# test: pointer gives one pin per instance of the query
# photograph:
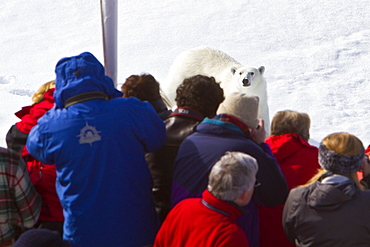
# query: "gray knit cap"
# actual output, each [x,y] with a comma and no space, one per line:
[242,106]
[339,163]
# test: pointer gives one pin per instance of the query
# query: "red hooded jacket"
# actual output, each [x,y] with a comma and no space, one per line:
[299,163]
[30,114]
[42,176]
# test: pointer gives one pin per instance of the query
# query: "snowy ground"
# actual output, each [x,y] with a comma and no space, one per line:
[316,53]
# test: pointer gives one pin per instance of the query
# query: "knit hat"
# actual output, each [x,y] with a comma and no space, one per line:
[242,106]
[339,163]
[41,238]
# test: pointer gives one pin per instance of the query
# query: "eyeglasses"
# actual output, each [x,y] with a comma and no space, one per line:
[258,184]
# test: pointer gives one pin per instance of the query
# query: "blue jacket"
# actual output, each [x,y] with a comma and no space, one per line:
[201,150]
[97,142]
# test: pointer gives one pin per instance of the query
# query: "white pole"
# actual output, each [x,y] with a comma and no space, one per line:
[109,26]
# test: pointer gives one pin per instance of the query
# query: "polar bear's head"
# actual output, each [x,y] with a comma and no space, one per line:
[247,76]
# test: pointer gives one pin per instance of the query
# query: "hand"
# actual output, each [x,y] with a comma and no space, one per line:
[259,135]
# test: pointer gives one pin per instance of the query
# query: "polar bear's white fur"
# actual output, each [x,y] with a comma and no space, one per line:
[233,76]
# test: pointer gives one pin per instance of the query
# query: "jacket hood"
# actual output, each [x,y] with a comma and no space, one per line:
[49,95]
[331,196]
[81,74]
[284,146]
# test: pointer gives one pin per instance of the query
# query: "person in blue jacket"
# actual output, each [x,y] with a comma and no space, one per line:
[98,141]
[235,128]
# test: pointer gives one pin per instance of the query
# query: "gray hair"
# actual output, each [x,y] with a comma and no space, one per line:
[232,175]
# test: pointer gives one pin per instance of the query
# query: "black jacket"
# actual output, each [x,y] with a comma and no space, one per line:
[326,215]
[179,125]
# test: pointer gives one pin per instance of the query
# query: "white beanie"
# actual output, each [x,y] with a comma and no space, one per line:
[242,106]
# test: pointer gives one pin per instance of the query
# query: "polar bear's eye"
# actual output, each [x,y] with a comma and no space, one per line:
[240,73]
[252,73]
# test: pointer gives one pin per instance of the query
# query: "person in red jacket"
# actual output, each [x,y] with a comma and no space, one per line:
[42,176]
[42,101]
[211,220]
[298,161]
[364,175]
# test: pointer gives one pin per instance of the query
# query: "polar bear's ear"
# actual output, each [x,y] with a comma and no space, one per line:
[233,69]
[261,70]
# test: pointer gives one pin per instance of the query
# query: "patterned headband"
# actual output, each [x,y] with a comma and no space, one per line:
[338,163]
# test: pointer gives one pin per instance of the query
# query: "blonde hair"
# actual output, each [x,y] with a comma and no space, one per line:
[345,144]
[37,97]
[288,121]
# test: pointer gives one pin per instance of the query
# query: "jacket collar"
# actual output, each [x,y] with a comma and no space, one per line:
[227,125]
[158,105]
[188,112]
[85,97]
[223,207]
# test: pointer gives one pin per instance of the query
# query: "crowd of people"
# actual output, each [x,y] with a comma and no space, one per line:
[89,165]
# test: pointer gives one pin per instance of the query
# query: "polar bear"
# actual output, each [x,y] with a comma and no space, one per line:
[233,76]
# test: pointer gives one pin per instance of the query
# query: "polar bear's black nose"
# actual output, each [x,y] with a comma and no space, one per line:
[246,82]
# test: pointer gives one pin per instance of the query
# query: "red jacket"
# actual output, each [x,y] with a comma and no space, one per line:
[30,114]
[360,174]
[205,222]
[299,162]
[42,176]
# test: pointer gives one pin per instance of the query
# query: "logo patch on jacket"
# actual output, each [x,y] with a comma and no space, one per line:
[89,134]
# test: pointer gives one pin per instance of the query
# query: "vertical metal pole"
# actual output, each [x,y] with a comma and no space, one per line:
[109,27]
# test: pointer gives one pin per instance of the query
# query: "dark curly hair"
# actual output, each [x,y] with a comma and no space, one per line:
[143,87]
[201,93]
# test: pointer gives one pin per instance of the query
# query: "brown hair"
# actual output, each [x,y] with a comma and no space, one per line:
[288,121]
[201,93]
[37,97]
[343,143]
[143,87]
